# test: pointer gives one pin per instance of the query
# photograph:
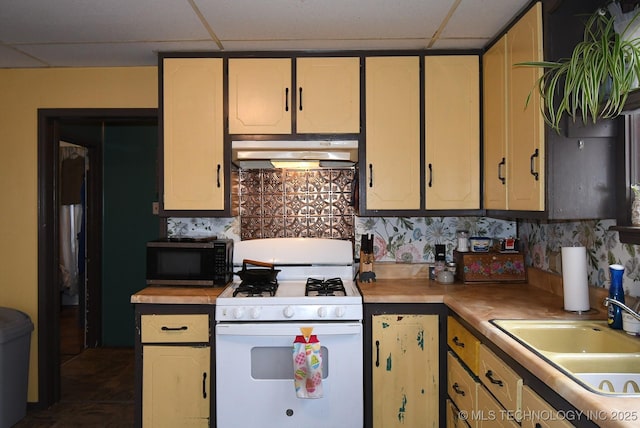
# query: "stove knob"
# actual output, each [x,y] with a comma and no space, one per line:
[322,312]
[238,313]
[288,312]
[340,311]
[254,313]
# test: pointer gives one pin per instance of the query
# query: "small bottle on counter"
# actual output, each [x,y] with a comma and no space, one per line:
[616,292]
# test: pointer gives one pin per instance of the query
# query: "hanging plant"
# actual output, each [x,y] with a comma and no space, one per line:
[596,80]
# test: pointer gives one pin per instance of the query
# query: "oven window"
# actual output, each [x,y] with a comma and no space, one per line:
[276,362]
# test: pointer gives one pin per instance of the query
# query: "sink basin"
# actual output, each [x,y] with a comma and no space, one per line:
[598,358]
[570,336]
[606,373]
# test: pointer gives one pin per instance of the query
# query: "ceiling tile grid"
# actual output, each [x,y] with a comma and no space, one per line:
[88,33]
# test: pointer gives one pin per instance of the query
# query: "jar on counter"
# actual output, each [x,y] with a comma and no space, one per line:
[463,241]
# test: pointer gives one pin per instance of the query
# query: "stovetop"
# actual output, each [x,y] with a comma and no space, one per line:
[315,282]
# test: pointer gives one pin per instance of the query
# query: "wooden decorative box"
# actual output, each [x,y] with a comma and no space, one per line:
[490,267]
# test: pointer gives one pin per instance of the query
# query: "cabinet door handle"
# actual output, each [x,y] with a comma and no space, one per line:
[489,375]
[218,175]
[183,328]
[457,389]
[532,167]
[538,425]
[370,175]
[430,175]
[457,342]
[204,385]
[377,353]
[500,165]
[286,99]
[300,99]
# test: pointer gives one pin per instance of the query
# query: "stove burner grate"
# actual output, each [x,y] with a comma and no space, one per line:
[328,287]
[256,289]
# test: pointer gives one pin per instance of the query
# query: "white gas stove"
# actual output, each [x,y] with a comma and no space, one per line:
[256,330]
[314,282]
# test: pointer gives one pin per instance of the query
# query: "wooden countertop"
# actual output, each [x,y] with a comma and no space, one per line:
[178,295]
[476,304]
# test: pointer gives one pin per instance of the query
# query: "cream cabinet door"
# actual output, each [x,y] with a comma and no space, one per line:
[392,167]
[494,67]
[537,413]
[176,386]
[328,97]
[452,132]
[193,134]
[405,371]
[259,96]
[525,142]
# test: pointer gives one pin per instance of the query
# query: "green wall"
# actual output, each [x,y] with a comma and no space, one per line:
[129,188]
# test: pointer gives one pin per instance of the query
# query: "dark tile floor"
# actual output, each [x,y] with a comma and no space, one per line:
[97,390]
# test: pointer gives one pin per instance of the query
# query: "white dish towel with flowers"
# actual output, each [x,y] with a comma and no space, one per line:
[307,366]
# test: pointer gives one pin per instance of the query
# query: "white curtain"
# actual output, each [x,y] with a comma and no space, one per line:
[70,226]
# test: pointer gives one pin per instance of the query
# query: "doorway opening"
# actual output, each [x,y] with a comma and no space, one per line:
[107,140]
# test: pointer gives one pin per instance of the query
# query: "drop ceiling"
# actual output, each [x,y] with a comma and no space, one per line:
[98,33]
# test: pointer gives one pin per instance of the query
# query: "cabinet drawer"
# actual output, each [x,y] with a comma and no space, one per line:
[463,343]
[534,408]
[461,387]
[490,414]
[501,380]
[174,328]
[453,416]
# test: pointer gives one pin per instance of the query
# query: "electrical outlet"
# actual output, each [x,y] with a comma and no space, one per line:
[155,208]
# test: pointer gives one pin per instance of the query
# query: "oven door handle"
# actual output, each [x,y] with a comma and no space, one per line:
[287,329]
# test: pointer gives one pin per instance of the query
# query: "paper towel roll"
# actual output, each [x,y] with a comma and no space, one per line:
[574,279]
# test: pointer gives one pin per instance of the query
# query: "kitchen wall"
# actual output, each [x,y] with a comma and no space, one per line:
[24,91]
[411,240]
[542,243]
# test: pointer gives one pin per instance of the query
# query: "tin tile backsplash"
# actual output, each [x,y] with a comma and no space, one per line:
[296,203]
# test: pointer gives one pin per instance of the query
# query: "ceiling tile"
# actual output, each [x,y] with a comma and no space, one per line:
[326,19]
[110,54]
[29,21]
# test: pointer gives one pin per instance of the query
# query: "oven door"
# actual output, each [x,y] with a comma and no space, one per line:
[254,376]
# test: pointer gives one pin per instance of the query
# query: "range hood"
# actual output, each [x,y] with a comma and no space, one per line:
[252,154]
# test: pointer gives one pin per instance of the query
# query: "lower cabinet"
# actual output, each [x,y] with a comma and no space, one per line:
[484,391]
[174,368]
[404,388]
[175,389]
[537,413]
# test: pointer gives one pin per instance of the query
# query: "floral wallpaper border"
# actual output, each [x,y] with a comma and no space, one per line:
[542,243]
[412,240]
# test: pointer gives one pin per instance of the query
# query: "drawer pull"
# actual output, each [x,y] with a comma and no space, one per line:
[183,328]
[489,375]
[204,385]
[457,342]
[457,389]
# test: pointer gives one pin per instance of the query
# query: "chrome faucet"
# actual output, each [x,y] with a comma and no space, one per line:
[622,306]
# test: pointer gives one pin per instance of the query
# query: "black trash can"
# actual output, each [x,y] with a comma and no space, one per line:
[15,341]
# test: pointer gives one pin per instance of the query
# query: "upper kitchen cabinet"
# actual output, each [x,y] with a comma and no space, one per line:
[193,167]
[326,98]
[260,96]
[530,170]
[452,132]
[513,132]
[328,95]
[391,172]
[525,141]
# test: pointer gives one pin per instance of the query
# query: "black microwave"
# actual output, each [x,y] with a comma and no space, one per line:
[190,262]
